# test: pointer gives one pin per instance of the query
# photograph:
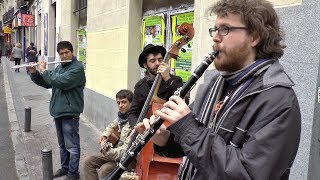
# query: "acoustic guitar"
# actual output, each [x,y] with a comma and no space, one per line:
[112,139]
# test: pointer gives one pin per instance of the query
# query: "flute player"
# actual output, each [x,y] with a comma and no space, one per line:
[67,81]
[253,123]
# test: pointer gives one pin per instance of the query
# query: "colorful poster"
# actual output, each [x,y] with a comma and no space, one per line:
[153,31]
[182,66]
[27,19]
[82,45]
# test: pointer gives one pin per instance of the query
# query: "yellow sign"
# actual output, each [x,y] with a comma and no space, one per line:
[7,30]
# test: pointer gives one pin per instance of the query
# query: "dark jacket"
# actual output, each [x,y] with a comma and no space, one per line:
[269,116]
[31,55]
[67,83]
[141,92]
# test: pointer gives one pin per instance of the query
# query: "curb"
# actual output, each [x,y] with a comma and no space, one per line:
[16,136]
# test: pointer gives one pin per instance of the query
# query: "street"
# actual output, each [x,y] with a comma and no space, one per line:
[7,166]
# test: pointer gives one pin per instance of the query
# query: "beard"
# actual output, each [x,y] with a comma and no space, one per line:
[152,71]
[231,60]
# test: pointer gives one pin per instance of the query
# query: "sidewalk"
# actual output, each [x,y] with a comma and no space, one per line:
[21,92]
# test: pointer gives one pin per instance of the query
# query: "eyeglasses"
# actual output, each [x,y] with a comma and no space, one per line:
[223,30]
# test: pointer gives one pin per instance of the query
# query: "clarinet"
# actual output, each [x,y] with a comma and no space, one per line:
[143,138]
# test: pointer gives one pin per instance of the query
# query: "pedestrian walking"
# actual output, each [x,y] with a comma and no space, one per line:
[31,56]
[17,55]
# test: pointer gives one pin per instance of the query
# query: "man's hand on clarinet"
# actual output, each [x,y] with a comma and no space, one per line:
[145,125]
[160,137]
[175,109]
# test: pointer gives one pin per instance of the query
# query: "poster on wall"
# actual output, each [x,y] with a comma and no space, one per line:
[27,20]
[82,45]
[153,31]
[182,66]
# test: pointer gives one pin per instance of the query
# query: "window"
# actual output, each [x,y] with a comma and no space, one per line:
[81,9]
[81,5]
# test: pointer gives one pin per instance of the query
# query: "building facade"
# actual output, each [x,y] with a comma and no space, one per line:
[108,37]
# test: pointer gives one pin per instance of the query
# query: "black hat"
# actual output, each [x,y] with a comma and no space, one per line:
[150,48]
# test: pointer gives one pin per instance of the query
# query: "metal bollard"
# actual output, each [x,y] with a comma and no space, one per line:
[27,120]
[47,171]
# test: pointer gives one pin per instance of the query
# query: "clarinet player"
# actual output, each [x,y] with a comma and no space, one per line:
[245,122]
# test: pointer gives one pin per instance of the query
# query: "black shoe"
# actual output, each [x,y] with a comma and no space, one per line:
[59,173]
[72,177]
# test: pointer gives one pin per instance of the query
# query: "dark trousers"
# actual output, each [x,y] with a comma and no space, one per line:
[69,143]
[17,61]
[8,53]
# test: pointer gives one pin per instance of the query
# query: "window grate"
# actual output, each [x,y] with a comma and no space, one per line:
[81,5]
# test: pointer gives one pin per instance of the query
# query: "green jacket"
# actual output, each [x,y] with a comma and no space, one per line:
[67,83]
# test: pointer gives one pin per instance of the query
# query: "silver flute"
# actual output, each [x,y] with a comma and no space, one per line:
[35,64]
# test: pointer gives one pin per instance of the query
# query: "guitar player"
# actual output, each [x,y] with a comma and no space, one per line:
[113,141]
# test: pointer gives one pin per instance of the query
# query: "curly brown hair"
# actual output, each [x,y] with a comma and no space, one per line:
[259,17]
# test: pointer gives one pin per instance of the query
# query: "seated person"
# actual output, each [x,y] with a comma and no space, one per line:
[111,154]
